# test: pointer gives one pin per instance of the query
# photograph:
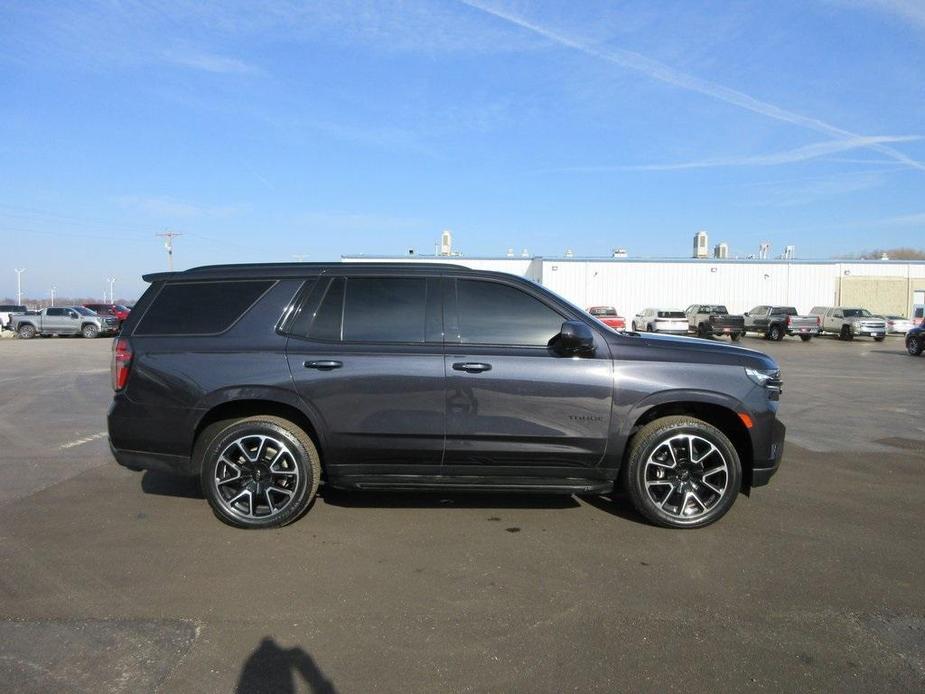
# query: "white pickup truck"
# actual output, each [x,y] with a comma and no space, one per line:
[64,320]
[7,311]
[850,322]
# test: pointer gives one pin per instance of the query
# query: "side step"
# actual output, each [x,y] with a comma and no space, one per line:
[474,484]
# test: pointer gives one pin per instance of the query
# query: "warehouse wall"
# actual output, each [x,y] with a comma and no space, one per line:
[631,284]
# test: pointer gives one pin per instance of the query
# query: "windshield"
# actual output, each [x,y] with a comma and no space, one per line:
[784,311]
[857,313]
[716,309]
[83,311]
[670,314]
[603,311]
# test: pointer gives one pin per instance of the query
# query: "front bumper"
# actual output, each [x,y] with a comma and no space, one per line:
[763,469]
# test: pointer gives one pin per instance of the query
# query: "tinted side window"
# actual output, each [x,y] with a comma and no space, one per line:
[330,314]
[55,312]
[497,314]
[199,308]
[385,309]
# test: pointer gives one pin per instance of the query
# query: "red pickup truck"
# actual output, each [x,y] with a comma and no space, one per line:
[608,316]
[118,310]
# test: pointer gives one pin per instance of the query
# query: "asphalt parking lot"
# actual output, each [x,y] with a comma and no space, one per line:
[112,580]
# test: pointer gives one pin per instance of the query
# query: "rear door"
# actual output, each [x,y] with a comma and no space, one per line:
[515,406]
[56,320]
[366,356]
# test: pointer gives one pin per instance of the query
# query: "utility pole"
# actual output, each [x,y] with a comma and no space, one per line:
[52,296]
[19,271]
[112,295]
[168,244]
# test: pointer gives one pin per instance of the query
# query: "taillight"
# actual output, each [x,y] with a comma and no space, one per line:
[788,321]
[121,362]
[818,321]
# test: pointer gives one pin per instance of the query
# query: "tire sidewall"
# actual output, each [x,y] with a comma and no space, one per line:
[26,332]
[914,347]
[89,331]
[635,474]
[221,439]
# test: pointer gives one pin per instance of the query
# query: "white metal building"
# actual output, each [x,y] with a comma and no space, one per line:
[632,284]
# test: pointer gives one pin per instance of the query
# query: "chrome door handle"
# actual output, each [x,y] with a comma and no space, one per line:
[323,365]
[471,367]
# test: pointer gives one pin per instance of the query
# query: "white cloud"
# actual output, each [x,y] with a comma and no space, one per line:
[210,62]
[665,73]
[790,156]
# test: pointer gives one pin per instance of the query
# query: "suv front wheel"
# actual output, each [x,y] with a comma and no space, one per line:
[258,472]
[682,472]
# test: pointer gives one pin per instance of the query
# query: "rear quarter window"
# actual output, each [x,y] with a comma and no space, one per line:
[200,308]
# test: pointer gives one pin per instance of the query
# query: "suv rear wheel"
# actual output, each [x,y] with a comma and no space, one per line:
[915,345]
[682,472]
[258,472]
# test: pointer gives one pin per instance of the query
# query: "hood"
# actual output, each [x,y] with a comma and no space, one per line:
[691,350]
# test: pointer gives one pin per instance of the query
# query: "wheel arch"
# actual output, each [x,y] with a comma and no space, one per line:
[255,404]
[717,411]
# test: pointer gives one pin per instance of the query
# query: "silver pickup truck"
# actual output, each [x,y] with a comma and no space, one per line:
[64,320]
[850,322]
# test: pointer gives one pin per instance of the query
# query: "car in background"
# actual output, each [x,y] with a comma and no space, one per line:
[608,316]
[7,311]
[849,322]
[773,322]
[915,340]
[64,320]
[897,325]
[660,320]
[708,320]
[119,311]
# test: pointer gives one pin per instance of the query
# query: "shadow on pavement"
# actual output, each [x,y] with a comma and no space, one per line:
[617,504]
[165,484]
[271,668]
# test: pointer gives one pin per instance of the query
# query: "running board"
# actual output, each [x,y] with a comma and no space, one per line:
[476,484]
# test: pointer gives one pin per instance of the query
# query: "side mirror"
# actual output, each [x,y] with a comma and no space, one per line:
[575,337]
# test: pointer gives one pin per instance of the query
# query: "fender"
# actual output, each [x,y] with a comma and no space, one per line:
[273,394]
[664,397]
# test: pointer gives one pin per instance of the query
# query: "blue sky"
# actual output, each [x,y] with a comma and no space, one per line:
[265,130]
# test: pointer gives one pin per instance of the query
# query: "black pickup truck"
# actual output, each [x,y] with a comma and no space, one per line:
[708,320]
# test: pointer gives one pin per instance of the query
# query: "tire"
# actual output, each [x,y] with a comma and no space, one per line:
[776,333]
[277,460]
[880,339]
[650,329]
[735,337]
[663,446]
[806,338]
[914,346]
[634,327]
[26,332]
[702,331]
[90,331]
[845,333]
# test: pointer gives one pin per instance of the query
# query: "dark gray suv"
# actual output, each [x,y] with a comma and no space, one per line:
[266,380]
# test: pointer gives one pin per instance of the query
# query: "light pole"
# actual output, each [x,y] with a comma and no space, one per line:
[52,296]
[168,237]
[19,271]
[112,296]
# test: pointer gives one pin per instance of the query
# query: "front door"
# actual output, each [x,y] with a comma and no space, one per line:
[515,406]
[366,356]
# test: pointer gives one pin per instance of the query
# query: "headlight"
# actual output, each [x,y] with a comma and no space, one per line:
[769,379]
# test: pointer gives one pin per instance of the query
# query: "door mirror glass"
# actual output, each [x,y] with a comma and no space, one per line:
[575,338]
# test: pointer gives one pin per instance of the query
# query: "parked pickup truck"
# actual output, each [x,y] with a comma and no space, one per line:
[7,311]
[776,321]
[64,320]
[848,322]
[608,316]
[713,319]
